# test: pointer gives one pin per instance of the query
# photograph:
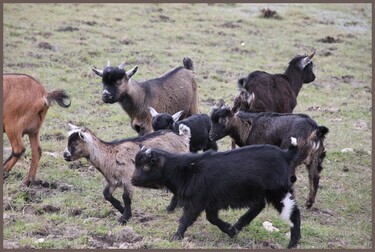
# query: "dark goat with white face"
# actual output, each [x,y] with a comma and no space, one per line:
[174,91]
[199,124]
[248,177]
[274,128]
[277,92]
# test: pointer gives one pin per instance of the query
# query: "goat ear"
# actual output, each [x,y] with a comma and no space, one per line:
[131,72]
[72,127]
[177,115]
[82,136]
[98,72]
[153,112]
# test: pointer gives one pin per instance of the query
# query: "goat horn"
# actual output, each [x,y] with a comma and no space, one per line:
[312,55]
[122,65]
[304,62]
[153,112]
[108,63]
[177,115]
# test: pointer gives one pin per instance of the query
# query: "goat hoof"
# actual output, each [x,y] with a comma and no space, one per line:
[170,209]
[232,231]
[309,204]
[122,220]
[5,175]
[293,179]
[26,183]
[177,236]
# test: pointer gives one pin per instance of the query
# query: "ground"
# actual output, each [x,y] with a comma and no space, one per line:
[60,44]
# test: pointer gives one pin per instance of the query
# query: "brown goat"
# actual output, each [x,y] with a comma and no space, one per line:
[173,91]
[25,105]
[115,160]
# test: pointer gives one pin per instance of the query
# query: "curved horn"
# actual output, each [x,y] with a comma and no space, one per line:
[108,63]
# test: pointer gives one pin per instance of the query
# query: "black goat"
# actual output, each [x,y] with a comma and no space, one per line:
[248,177]
[199,124]
[278,92]
[276,129]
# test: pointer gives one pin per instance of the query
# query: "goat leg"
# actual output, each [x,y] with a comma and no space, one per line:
[188,217]
[213,218]
[253,212]
[36,153]
[314,178]
[127,209]
[295,231]
[17,151]
[107,192]
[172,204]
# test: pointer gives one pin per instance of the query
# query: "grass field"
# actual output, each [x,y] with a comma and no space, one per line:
[60,43]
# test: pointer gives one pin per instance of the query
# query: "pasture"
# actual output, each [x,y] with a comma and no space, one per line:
[60,43]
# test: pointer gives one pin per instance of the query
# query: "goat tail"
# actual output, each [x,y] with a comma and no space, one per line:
[293,152]
[188,63]
[60,97]
[321,132]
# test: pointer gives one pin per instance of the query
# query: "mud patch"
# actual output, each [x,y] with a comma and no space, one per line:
[125,238]
[329,40]
[270,14]
[231,25]
[46,46]
[67,29]
[90,23]
[56,136]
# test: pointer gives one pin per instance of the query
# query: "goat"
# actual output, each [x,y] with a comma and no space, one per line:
[115,160]
[278,92]
[250,177]
[275,128]
[199,124]
[174,91]
[25,104]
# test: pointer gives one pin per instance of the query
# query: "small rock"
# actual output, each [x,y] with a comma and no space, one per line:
[91,219]
[40,240]
[269,227]
[53,154]
[347,150]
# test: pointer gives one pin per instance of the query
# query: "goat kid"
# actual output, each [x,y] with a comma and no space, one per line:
[278,92]
[273,128]
[115,160]
[174,91]
[199,124]
[248,177]
[25,105]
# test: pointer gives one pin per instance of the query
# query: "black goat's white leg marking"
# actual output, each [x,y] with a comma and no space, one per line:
[287,209]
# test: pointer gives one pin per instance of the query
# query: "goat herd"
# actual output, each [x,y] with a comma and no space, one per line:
[164,112]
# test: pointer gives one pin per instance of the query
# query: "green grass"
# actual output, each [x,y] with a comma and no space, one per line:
[225,42]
